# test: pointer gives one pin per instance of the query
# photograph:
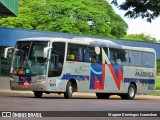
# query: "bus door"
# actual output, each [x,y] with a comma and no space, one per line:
[56,62]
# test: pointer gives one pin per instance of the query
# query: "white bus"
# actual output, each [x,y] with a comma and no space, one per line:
[60,65]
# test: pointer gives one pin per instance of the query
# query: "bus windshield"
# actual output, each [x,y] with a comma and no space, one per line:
[29,54]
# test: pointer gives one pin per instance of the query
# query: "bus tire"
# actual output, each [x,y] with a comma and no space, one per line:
[131,93]
[69,90]
[102,95]
[38,94]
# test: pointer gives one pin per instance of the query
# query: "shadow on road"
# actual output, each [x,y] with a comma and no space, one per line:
[51,97]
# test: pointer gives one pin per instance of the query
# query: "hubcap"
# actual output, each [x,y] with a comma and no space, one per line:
[70,89]
[131,92]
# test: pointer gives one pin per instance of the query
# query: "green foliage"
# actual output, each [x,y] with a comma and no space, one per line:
[158,67]
[148,9]
[158,84]
[140,37]
[87,17]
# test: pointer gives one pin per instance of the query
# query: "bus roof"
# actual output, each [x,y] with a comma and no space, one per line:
[110,44]
[89,41]
[44,39]
[84,40]
[139,49]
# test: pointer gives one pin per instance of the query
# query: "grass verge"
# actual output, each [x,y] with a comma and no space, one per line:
[158,84]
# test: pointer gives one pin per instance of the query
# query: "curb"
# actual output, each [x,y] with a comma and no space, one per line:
[157,92]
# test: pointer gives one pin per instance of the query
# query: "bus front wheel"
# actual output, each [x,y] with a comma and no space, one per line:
[69,90]
[131,92]
[38,94]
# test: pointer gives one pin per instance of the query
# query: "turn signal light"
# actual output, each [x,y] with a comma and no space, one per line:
[18,72]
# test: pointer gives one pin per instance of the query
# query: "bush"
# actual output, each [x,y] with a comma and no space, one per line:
[158,67]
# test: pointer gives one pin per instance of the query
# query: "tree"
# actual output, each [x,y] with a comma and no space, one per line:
[87,17]
[140,37]
[149,9]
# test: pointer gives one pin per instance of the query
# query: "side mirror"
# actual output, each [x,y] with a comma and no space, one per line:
[46,51]
[7,50]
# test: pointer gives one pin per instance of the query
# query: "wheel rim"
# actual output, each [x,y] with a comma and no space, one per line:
[70,90]
[131,92]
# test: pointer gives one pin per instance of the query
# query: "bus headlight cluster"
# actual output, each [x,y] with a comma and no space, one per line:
[41,77]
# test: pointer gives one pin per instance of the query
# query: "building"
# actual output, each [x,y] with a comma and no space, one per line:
[9,36]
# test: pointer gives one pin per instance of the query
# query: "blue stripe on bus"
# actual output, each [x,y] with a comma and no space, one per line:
[144,81]
[76,77]
[126,80]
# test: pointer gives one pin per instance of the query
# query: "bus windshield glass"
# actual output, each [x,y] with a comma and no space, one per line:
[29,54]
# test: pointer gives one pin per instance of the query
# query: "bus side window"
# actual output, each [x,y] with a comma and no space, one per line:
[70,56]
[80,54]
[75,53]
[71,52]
[86,55]
[136,58]
[106,51]
[119,57]
[112,57]
[148,59]
[95,58]
[123,57]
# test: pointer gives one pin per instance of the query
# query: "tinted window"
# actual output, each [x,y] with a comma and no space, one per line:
[148,59]
[135,58]
[93,56]
[131,57]
[83,53]
[106,51]
[119,57]
[76,52]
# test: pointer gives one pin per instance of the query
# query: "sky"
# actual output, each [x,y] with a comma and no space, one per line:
[138,25]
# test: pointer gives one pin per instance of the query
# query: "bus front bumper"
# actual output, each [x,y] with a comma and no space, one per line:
[38,86]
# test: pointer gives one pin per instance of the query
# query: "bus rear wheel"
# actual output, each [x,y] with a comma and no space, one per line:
[69,90]
[131,93]
[38,94]
[102,95]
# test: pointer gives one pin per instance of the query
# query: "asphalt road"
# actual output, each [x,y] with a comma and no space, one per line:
[25,101]
[4,83]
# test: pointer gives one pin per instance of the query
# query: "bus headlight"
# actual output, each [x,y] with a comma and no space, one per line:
[41,77]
